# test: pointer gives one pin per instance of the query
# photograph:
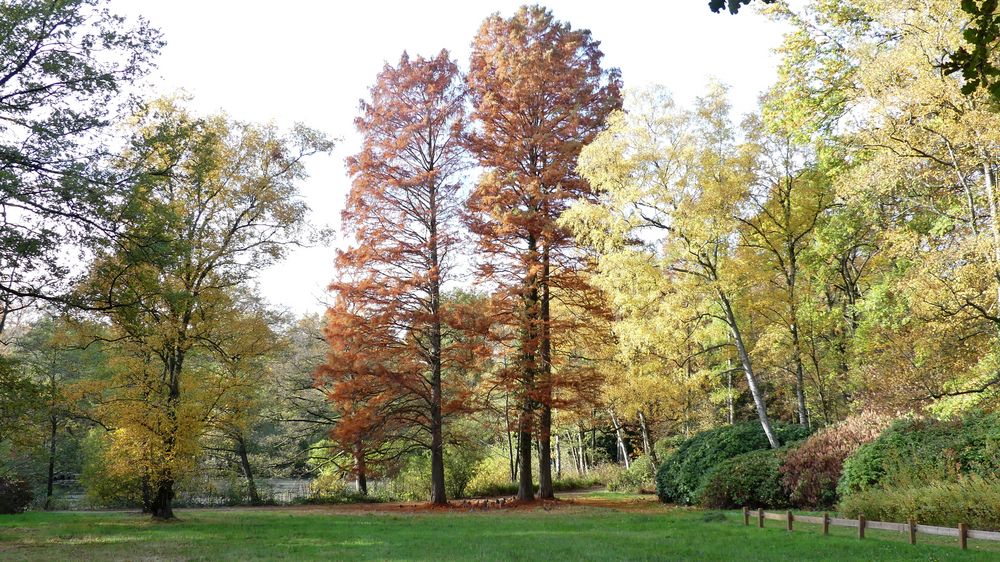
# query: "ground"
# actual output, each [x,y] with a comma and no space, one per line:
[591,526]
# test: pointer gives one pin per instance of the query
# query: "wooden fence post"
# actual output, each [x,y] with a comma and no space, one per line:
[963,535]
[746,516]
[760,518]
[861,526]
[790,519]
[913,531]
[826,524]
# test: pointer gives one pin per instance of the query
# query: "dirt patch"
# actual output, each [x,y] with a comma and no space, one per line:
[491,505]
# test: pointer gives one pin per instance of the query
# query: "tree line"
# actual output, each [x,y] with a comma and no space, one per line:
[532,256]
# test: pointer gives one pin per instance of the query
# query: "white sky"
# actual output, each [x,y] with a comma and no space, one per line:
[311,61]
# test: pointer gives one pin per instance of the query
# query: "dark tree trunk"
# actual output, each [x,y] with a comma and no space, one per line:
[161,506]
[360,469]
[241,449]
[525,487]
[545,489]
[50,481]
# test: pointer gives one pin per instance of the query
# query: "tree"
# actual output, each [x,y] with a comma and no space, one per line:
[391,332]
[65,69]
[213,202]
[672,184]
[539,94]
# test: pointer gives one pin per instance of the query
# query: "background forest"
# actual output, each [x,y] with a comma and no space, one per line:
[545,281]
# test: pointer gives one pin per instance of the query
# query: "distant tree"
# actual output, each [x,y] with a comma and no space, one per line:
[539,95]
[65,67]
[389,331]
[213,202]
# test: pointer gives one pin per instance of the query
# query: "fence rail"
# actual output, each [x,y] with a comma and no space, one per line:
[963,533]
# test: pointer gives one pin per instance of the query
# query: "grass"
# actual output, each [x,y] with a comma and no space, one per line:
[596,527]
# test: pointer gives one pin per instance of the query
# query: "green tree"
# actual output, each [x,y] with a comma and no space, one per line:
[65,71]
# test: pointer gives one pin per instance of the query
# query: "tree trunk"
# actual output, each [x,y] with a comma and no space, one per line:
[800,393]
[161,507]
[647,443]
[545,489]
[50,481]
[241,449]
[619,436]
[558,459]
[755,390]
[360,469]
[525,486]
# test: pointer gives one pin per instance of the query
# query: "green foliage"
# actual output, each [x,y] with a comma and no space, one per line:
[811,471]
[752,479]
[682,475]
[972,500]
[413,483]
[638,477]
[104,487]
[15,494]
[916,452]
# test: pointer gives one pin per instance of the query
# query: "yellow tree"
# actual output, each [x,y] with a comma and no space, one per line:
[671,183]
[213,201]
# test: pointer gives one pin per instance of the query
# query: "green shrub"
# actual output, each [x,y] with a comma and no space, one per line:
[15,494]
[971,499]
[752,479]
[680,478]
[638,477]
[916,452]
[811,471]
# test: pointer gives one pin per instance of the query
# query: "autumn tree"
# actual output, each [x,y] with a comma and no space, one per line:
[391,334]
[672,184]
[213,202]
[539,94]
[65,72]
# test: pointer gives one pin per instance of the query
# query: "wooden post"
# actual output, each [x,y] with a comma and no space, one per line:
[746,516]
[913,531]
[963,535]
[861,526]
[760,518]
[826,524]
[790,518]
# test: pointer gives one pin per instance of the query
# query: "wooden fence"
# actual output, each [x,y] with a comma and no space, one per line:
[963,532]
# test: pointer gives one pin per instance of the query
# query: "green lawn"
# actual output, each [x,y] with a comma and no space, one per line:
[601,531]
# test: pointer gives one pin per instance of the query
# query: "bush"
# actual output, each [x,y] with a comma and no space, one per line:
[811,471]
[15,494]
[752,479]
[972,500]
[638,477]
[681,476]
[916,452]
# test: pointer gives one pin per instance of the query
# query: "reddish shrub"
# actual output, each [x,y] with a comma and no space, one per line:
[811,471]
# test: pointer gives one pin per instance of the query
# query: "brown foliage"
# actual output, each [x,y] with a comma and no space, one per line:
[539,95]
[810,472]
[391,336]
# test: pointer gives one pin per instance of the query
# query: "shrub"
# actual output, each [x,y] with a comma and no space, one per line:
[15,494]
[682,474]
[752,479]
[971,499]
[916,452]
[811,471]
[638,477]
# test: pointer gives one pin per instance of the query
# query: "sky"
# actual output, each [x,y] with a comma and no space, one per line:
[312,61]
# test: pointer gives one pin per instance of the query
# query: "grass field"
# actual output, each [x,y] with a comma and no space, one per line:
[591,527]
